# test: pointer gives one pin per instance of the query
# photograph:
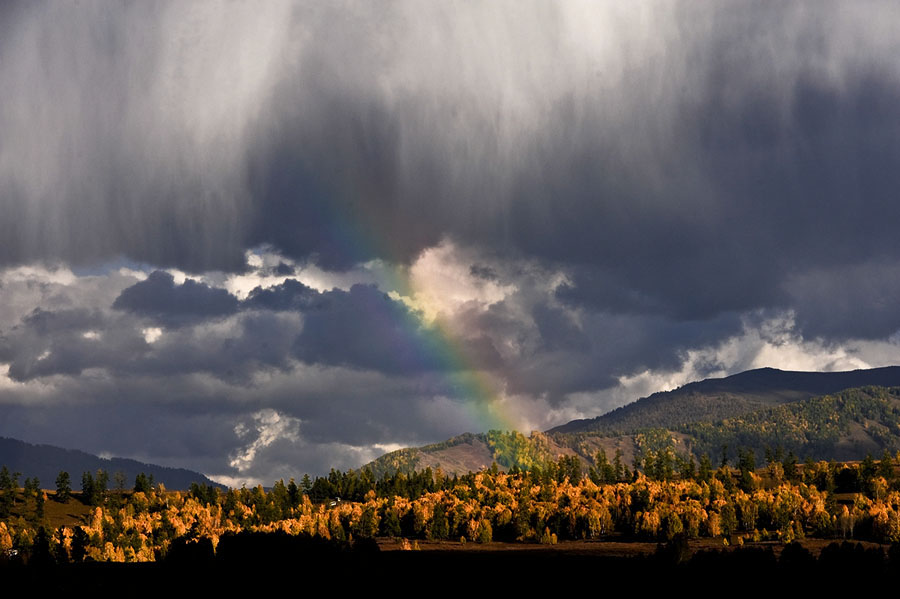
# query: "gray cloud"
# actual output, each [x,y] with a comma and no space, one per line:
[159,298]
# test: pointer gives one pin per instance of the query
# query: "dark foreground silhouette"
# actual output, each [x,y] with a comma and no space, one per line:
[277,561]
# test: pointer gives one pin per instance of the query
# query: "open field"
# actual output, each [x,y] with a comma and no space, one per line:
[603,548]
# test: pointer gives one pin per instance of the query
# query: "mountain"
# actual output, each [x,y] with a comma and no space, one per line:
[729,397]
[809,413]
[45,462]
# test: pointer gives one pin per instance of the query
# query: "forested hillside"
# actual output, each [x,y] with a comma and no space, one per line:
[561,501]
[846,425]
[44,463]
[712,400]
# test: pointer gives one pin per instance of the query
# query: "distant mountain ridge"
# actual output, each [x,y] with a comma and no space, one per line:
[728,397]
[755,409]
[46,461]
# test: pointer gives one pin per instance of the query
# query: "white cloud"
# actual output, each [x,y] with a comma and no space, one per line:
[441,282]
[269,426]
[151,334]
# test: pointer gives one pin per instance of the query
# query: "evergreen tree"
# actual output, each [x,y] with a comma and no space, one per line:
[886,466]
[705,472]
[747,466]
[87,487]
[101,484]
[143,483]
[39,505]
[440,528]
[30,488]
[619,469]
[390,523]
[63,486]
[789,464]
[8,486]
[80,544]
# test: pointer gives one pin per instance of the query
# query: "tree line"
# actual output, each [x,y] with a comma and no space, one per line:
[784,500]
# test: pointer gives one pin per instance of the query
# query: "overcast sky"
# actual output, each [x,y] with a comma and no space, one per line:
[263,239]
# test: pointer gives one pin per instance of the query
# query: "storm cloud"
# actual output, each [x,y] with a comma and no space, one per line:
[305,219]
[160,299]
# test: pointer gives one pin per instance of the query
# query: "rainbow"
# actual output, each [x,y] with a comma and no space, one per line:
[435,346]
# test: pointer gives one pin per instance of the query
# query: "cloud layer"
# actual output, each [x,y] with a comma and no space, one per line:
[307,221]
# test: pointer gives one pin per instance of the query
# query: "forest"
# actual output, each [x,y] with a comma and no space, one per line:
[662,499]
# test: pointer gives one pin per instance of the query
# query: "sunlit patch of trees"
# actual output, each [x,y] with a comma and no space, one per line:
[663,497]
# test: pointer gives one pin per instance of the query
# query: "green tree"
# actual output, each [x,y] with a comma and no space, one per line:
[440,528]
[729,519]
[390,523]
[87,487]
[93,488]
[886,466]
[101,484]
[143,483]
[619,469]
[39,505]
[63,486]
[293,494]
[9,485]
[485,532]
[30,488]
[747,466]
[791,472]
[80,544]
[705,472]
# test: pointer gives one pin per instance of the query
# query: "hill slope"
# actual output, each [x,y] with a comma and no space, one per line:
[729,397]
[45,462]
[757,409]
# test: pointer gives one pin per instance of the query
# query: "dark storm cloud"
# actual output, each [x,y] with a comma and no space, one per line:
[365,328]
[483,271]
[360,328]
[63,341]
[289,295]
[676,168]
[160,299]
[685,165]
[843,302]
[558,356]
[558,331]
[189,420]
